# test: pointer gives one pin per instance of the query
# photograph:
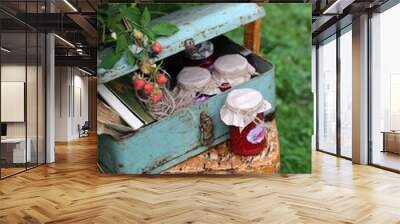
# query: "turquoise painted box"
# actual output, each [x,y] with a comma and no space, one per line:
[176,138]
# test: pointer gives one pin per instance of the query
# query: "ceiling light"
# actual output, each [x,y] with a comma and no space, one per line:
[70,5]
[84,71]
[65,41]
[5,49]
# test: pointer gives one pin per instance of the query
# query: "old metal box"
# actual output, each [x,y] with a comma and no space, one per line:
[173,139]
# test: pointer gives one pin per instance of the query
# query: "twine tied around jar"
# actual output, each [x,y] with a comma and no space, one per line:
[191,82]
[179,99]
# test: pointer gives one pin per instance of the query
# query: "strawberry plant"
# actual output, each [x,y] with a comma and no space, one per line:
[125,27]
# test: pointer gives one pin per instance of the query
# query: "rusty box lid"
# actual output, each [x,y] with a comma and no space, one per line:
[200,23]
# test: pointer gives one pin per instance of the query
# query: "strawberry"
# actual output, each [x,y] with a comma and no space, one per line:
[138,83]
[162,79]
[156,98]
[156,47]
[148,88]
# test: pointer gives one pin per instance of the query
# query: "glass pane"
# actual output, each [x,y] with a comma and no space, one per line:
[13,87]
[346,94]
[32,88]
[386,89]
[32,96]
[327,97]
[41,99]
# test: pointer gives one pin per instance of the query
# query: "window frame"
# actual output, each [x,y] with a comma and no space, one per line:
[334,37]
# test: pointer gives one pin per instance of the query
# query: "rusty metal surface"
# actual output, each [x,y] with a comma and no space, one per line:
[220,160]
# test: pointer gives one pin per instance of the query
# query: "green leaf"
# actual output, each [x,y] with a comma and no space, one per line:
[122,43]
[109,60]
[112,9]
[164,29]
[117,27]
[145,17]
[130,58]
[132,14]
[148,33]
[112,21]
[109,40]
[100,19]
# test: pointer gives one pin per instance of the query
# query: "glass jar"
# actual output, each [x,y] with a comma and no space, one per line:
[201,55]
[243,112]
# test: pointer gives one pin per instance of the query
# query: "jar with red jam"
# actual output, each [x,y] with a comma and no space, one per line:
[201,55]
[243,112]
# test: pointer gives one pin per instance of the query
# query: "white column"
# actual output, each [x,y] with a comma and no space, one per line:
[314,90]
[50,93]
[360,90]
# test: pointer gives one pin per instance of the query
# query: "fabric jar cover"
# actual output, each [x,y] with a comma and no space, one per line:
[242,106]
[233,68]
[197,79]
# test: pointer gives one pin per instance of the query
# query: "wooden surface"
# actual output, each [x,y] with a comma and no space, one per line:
[92,105]
[221,160]
[252,36]
[7,171]
[72,191]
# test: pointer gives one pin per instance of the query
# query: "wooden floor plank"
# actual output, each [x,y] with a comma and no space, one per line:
[72,191]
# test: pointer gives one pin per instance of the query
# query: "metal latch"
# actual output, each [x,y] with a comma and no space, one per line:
[206,129]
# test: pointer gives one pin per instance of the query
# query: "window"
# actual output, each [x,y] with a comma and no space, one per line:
[327,96]
[346,93]
[385,89]
[22,101]
[329,112]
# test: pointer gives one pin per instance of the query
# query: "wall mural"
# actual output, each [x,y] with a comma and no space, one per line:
[178,95]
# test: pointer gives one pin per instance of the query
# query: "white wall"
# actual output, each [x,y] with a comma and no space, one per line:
[71,94]
[33,126]
[61,104]
[16,73]
[80,111]
[12,73]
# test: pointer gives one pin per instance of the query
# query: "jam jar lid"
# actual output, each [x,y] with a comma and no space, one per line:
[200,51]
[242,106]
[194,78]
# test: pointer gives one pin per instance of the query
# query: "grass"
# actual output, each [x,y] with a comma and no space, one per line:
[286,42]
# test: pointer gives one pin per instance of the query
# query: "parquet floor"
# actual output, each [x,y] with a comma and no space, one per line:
[72,191]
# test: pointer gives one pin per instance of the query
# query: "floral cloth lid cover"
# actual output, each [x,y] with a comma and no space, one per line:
[233,68]
[242,106]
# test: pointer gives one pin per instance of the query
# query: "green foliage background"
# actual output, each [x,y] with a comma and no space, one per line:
[286,42]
